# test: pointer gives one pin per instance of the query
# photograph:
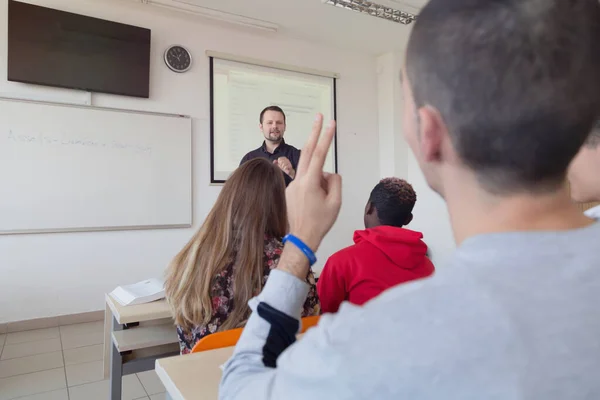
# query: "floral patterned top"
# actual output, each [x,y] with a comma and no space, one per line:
[223,298]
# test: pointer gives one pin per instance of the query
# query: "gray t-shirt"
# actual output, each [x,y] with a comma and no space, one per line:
[513,316]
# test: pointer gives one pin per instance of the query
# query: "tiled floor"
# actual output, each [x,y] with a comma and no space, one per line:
[64,363]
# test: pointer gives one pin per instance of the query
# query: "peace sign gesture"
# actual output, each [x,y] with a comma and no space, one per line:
[314,198]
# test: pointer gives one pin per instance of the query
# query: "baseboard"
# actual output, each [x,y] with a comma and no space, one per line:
[51,322]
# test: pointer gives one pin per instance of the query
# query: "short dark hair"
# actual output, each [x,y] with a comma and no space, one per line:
[394,200]
[271,108]
[594,138]
[516,82]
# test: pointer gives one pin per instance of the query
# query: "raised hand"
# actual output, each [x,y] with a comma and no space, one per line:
[314,198]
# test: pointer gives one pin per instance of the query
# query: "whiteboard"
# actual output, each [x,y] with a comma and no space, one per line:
[240,91]
[80,168]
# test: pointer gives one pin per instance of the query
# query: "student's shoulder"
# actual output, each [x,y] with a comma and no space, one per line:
[345,254]
[419,328]
[430,306]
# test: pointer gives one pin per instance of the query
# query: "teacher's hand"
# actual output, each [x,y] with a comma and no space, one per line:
[313,199]
[286,166]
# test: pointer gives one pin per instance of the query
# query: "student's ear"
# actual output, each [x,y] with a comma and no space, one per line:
[409,219]
[370,208]
[432,133]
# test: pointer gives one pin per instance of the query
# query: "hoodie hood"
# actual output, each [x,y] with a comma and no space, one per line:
[402,247]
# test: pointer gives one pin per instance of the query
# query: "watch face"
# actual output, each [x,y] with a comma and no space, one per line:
[178,59]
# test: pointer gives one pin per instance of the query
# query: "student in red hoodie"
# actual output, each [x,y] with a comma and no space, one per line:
[384,254]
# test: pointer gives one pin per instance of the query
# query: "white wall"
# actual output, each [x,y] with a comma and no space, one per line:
[396,159]
[393,150]
[55,274]
[430,217]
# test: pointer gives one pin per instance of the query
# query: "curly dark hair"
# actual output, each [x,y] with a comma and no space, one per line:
[394,199]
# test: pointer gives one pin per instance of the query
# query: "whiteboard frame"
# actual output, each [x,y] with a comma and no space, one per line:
[212,55]
[108,228]
[88,107]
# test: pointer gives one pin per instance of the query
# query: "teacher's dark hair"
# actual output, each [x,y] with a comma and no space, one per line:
[271,108]
[515,81]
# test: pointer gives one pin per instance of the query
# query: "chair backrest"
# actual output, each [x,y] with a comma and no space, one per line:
[230,337]
[218,340]
[309,322]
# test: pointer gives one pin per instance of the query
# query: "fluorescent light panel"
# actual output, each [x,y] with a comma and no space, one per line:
[375,10]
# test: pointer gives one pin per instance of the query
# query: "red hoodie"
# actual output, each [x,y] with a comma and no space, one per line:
[381,257]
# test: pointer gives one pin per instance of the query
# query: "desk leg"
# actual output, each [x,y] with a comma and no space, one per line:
[108,318]
[116,370]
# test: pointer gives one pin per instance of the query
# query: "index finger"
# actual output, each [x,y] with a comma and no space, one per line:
[309,147]
[320,152]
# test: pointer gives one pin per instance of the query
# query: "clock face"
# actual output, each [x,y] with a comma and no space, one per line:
[178,59]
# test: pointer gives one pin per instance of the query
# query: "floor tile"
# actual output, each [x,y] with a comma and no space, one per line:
[91,316]
[30,348]
[84,328]
[162,396]
[132,389]
[3,328]
[2,339]
[32,324]
[84,354]
[28,384]
[32,336]
[82,335]
[91,391]
[61,394]
[80,374]
[151,382]
[26,365]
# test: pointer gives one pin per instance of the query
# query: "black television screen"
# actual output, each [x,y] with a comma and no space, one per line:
[56,48]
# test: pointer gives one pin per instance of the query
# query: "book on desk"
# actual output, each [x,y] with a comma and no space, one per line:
[146,291]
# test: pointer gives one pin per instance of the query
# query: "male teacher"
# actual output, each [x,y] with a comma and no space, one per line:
[274,148]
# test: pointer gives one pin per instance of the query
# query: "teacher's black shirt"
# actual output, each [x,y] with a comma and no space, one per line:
[283,150]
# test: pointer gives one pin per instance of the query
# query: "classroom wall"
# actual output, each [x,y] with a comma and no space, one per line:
[431,216]
[55,274]
[393,149]
[396,159]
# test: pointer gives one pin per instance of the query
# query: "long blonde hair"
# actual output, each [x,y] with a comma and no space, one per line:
[250,205]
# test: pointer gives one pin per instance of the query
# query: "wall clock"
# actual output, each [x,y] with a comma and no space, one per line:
[178,59]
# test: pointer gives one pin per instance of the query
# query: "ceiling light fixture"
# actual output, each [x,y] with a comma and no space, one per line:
[374,9]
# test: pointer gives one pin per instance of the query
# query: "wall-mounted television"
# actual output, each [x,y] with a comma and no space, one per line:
[56,48]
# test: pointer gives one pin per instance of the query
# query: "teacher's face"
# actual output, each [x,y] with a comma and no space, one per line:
[273,126]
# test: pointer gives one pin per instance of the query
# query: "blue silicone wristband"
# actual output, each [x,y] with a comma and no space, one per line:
[312,259]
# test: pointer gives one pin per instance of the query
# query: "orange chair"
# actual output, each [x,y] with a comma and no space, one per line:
[218,340]
[309,322]
[230,337]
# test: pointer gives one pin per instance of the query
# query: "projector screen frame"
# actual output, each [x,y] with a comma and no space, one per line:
[227,57]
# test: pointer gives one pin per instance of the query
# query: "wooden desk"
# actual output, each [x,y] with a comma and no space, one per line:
[140,339]
[193,376]
[125,315]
